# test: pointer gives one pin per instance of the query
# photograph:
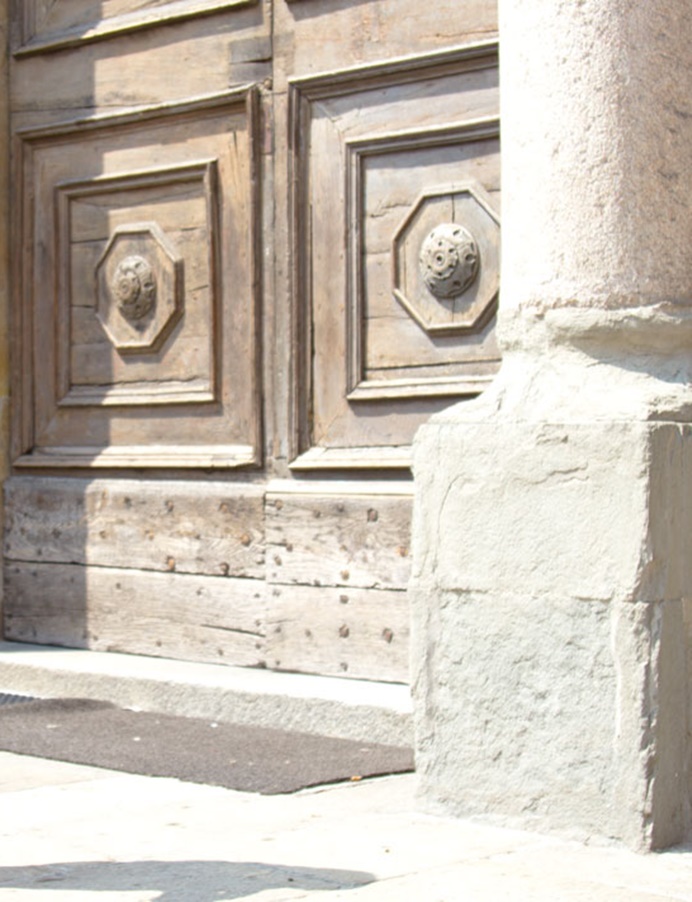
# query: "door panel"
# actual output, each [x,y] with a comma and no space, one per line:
[231,316]
[161,201]
[383,155]
[171,526]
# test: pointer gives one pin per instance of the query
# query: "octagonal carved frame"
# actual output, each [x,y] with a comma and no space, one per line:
[468,206]
[141,256]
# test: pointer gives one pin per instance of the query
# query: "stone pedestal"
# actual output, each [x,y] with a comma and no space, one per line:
[552,624]
[552,621]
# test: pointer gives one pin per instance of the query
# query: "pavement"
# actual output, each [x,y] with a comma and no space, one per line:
[69,832]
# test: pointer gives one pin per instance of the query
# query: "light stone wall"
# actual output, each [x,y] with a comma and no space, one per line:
[552,644]
[551,628]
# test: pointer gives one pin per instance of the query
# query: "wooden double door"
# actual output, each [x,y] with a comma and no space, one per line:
[256,246]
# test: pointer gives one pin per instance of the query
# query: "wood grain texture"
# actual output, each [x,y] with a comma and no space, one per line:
[355,32]
[340,540]
[389,132]
[196,618]
[357,633]
[186,527]
[48,27]
[199,381]
[184,59]
[278,145]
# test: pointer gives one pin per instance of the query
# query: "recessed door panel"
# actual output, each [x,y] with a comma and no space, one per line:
[386,155]
[140,294]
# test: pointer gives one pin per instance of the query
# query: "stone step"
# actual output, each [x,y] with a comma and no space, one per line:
[327,706]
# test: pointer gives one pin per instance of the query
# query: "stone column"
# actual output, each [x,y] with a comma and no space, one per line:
[552,621]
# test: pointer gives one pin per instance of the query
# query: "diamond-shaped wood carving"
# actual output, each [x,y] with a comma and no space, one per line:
[139,288]
[447,259]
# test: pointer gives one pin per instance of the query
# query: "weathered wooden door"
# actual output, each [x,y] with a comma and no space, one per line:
[256,246]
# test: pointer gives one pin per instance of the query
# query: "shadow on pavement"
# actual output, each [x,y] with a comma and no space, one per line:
[179,881]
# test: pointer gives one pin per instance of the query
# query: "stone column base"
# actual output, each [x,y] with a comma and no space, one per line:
[552,639]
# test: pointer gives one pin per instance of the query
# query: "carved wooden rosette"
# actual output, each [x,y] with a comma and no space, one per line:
[447,274]
[134,288]
[139,286]
[449,261]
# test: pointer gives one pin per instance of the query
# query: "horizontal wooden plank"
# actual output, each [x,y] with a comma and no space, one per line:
[339,540]
[187,527]
[361,633]
[140,394]
[397,457]
[351,32]
[94,77]
[100,364]
[95,24]
[331,488]
[419,348]
[157,457]
[193,618]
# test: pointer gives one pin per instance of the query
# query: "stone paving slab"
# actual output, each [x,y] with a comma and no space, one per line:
[69,833]
[324,706]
